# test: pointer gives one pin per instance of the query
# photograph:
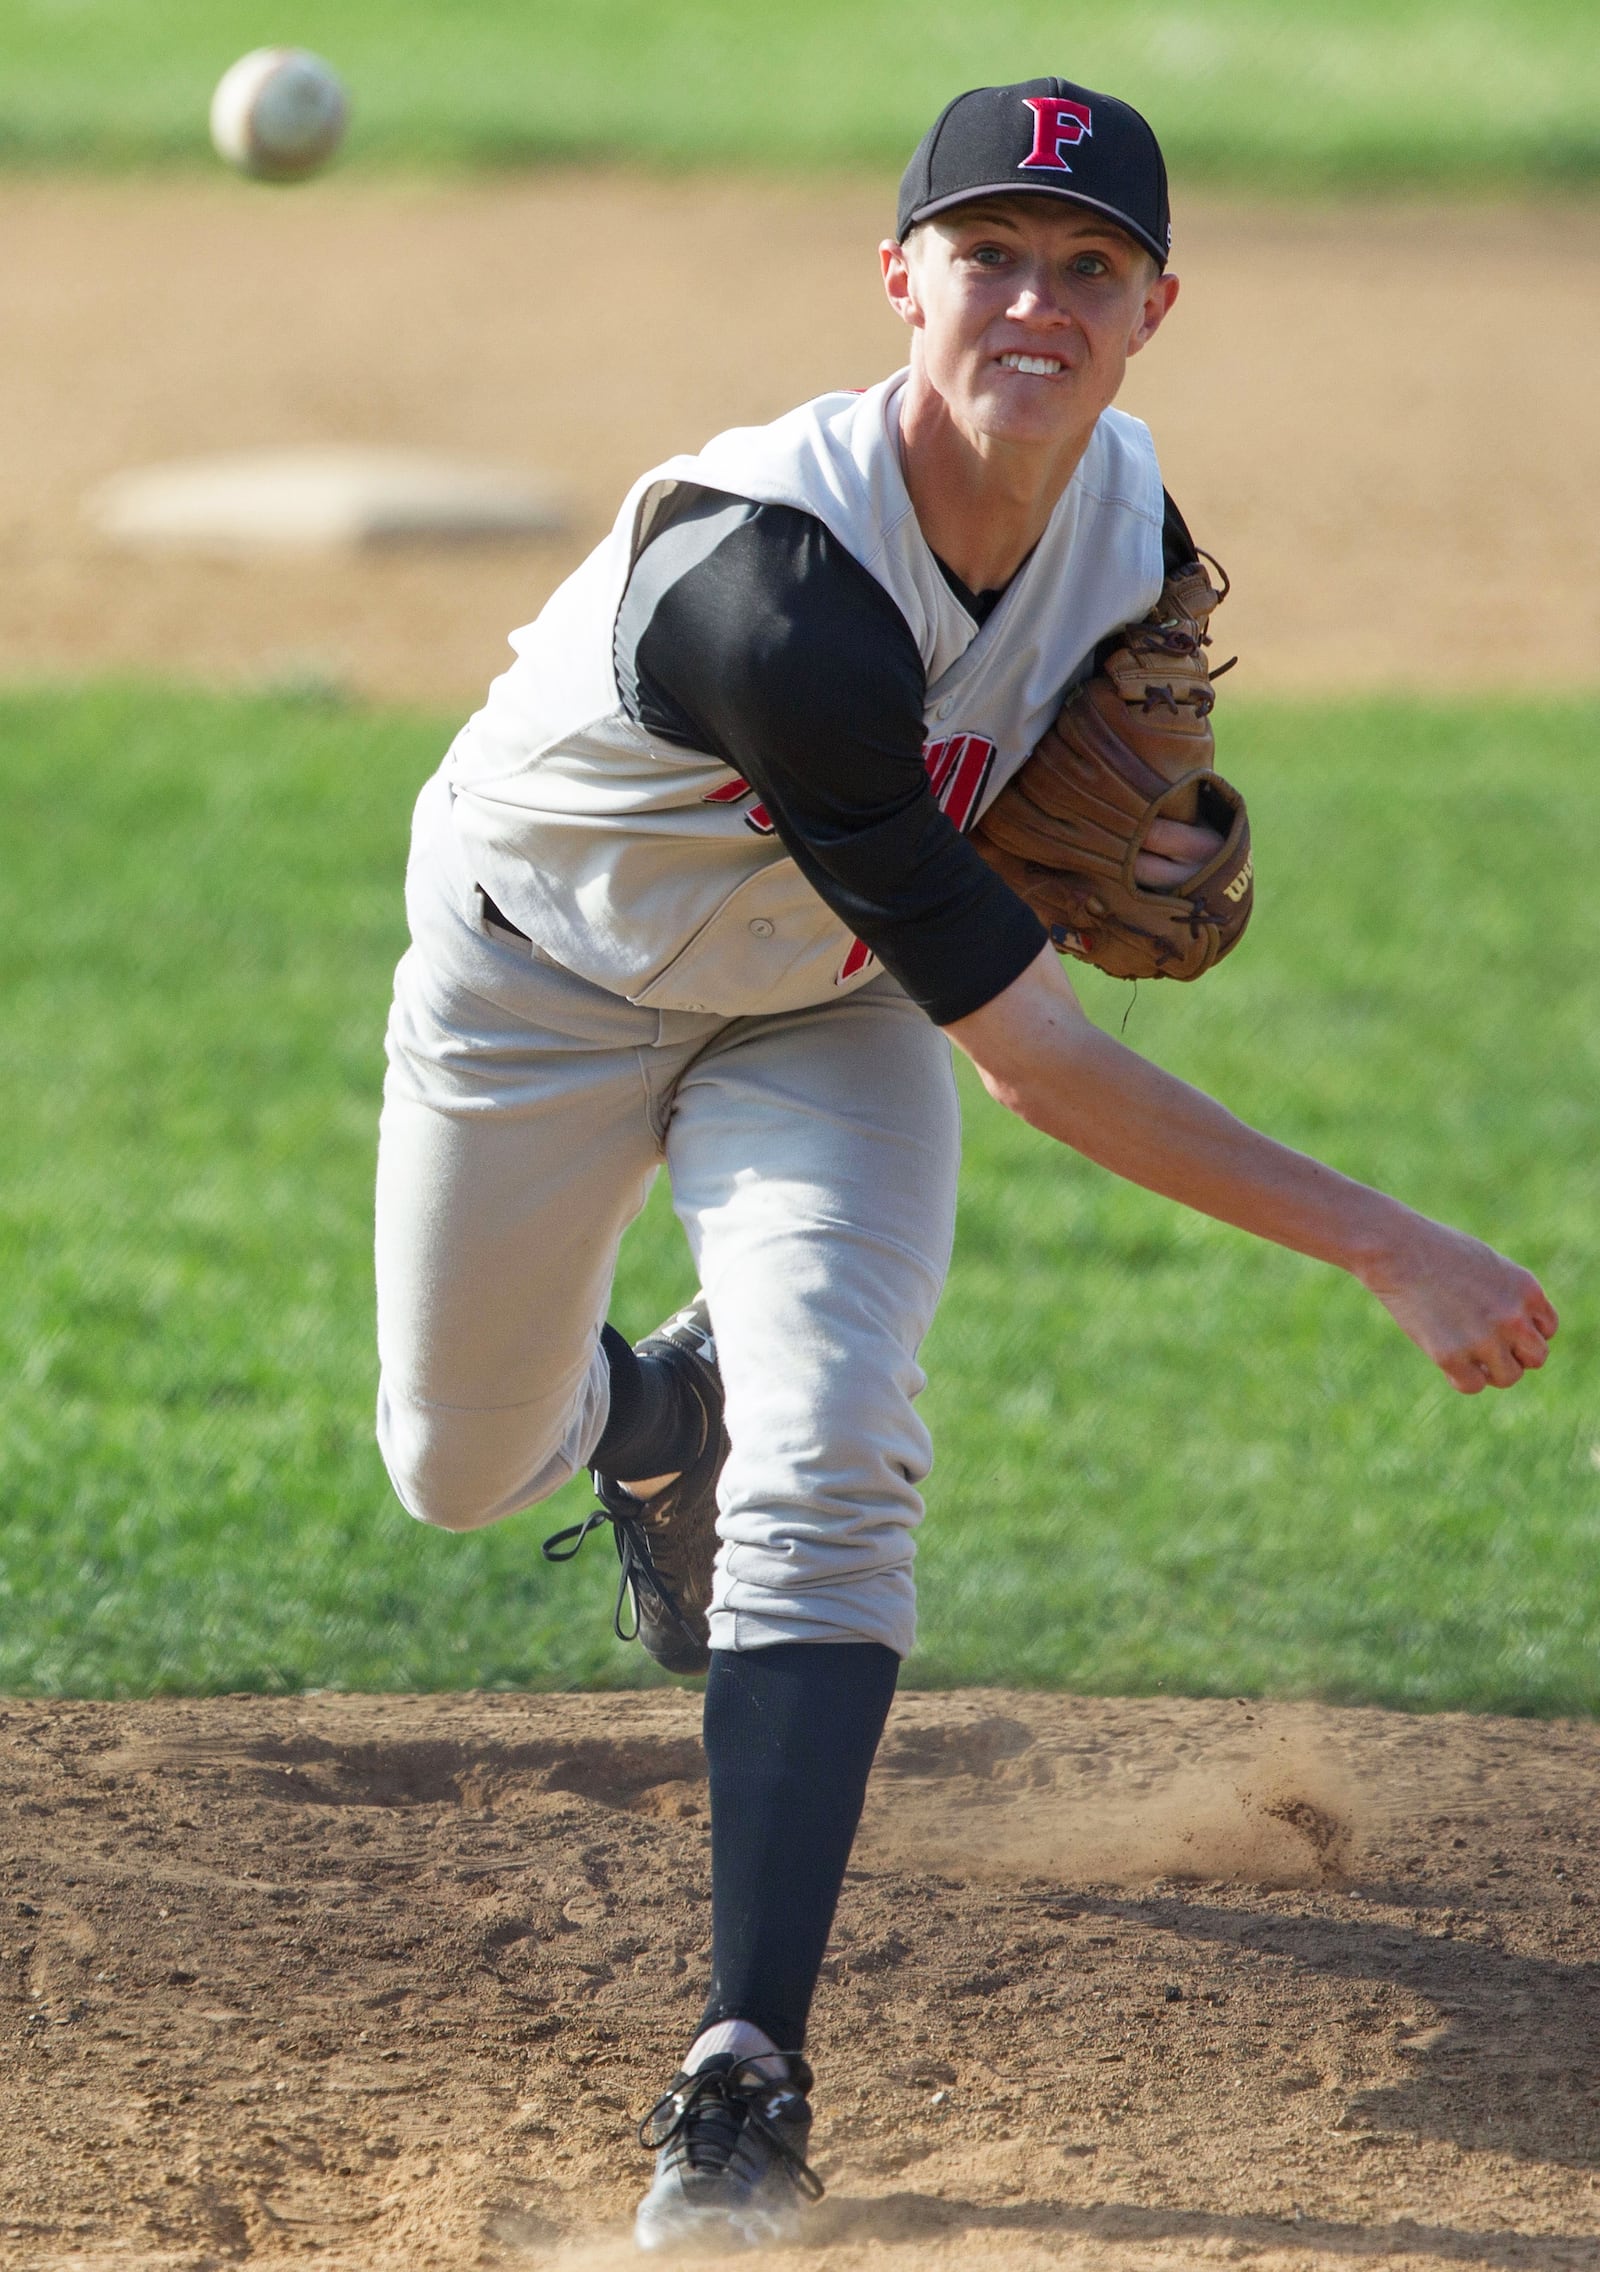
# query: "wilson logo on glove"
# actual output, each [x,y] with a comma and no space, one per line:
[1242,881]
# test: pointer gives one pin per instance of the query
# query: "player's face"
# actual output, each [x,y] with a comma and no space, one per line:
[1025,313]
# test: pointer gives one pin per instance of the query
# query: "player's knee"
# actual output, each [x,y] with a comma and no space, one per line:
[459,1471]
[440,1494]
[442,1505]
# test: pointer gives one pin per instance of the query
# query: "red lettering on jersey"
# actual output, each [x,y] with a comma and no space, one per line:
[958,773]
[1058,124]
[729,792]
[855,961]
[936,756]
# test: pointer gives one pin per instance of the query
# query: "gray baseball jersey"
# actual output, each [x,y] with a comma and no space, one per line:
[625,854]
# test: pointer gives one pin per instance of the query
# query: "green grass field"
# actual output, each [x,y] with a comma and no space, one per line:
[1354,93]
[1166,1455]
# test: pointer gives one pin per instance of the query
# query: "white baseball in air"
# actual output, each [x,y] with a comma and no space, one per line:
[278,114]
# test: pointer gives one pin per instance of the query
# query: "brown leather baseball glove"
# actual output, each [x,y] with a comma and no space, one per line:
[1130,745]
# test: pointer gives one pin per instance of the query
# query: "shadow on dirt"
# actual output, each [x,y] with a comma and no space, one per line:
[314,1771]
[1512,2065]
[903,2217]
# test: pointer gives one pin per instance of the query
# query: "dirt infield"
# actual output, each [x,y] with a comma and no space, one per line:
[384,1982]
[1381,418]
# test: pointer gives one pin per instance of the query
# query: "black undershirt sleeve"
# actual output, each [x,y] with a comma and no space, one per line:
[1178,547]
[749,631]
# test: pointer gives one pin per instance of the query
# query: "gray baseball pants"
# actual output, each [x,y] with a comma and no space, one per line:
[813,1160]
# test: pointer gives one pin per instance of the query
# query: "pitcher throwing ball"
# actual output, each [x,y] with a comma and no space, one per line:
[698,884]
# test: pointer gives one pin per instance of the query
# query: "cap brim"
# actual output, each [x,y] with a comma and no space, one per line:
[1124,221]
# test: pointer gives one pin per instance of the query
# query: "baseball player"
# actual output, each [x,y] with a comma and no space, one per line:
[696,886]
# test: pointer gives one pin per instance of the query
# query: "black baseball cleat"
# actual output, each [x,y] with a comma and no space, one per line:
[667,1543]
[731,2169]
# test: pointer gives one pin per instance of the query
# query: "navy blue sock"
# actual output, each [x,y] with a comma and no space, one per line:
[790,1734]
[655,1420]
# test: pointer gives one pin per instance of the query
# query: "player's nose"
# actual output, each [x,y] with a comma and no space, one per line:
[1039,298]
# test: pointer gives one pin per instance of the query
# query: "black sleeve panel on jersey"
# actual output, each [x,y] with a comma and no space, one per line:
[749,631]
[1178,547]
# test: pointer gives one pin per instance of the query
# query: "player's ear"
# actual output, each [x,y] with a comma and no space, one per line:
[1160,293]
[899,282]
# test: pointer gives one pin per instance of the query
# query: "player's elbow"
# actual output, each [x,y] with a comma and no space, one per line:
[1053,1076]
[1014,1087]
[1030,1048]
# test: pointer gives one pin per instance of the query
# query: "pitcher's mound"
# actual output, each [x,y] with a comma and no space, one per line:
[385,1982]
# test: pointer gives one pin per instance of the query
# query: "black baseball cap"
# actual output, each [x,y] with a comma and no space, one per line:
[1043,136]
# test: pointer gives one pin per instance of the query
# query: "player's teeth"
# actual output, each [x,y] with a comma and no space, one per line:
[1035,366]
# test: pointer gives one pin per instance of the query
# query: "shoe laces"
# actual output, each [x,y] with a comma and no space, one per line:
[708,2111]
[618,1508]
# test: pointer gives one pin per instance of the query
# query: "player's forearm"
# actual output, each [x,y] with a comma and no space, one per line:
[1128,1115]
[1040,1056]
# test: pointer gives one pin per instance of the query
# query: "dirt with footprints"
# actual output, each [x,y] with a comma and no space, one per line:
[376,1982]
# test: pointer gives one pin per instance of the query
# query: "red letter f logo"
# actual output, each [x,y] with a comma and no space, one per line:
[1057,125]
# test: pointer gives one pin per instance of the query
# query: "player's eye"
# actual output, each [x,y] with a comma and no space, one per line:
[988,256]
[1091,264]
